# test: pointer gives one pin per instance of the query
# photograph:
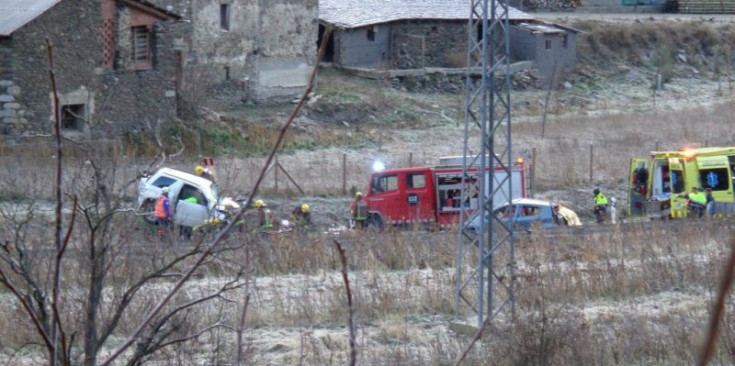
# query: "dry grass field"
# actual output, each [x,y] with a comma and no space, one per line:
[632,295]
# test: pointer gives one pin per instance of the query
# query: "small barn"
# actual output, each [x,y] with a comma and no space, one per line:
[406,34]
[551,47]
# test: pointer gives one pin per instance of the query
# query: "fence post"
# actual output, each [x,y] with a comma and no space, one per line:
[344,174]
[706,143]
[275,171]
[592,155]
[533,171]
[410,159]
[656,149]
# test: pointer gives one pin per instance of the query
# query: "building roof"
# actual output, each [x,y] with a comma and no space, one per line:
[543,28]
[16,13]
[360,13]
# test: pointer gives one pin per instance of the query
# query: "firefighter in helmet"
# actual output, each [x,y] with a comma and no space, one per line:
[301,216]
[265,217]
[359,211]
[203,172]
[600,205]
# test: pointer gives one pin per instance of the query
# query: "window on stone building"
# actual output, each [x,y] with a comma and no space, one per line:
[142,47]
[548,44]
[224,16]
[564,41]
[371,34]
[73,116]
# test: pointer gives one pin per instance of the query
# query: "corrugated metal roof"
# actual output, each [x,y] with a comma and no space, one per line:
[542,28]
[15,13]
[360,13]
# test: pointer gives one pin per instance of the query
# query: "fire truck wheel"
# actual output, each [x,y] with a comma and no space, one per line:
[376,222]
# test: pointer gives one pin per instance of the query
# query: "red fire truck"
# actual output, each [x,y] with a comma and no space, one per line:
[433,196]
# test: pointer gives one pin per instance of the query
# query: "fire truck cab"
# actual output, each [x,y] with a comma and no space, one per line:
[658,184]
[433,196]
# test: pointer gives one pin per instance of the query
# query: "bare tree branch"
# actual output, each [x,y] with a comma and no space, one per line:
[350,310]
[725,284]
[153,343]
[246,302]
[23,301]
[59,204]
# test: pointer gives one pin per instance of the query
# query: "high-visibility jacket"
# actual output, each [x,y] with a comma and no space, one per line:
[699,198]
[162,209]
[266,219]
[361,208]
[600,199]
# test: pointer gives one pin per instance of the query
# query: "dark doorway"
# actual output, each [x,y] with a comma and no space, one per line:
[329,52]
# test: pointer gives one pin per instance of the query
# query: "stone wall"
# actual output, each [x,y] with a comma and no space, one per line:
[117,100]
[353,47]
[12,114]
[267,52]
[418,44]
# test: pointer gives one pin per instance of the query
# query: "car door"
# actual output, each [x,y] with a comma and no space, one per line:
[418,196]
[187,213]
[638,186]
[385,193]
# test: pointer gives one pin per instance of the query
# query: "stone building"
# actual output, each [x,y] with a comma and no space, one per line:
[117,65]
[248,50]
[551,47]
[406,34]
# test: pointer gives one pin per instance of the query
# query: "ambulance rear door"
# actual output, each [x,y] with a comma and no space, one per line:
[638,186]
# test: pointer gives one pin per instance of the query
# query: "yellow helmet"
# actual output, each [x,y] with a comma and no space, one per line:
[304,208]
[259,203]
[358,194]
[198,170]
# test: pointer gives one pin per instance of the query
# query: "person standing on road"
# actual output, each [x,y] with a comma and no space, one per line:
[359,211]
[697,202]
[162,211]
[600,205]
[265,217]
[710,202]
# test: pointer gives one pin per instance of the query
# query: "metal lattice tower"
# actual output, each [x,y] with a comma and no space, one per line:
[487,248]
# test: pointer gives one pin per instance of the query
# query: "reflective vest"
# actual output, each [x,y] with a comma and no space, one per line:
[698,198]
[600,199]
[361,208]
[161,211]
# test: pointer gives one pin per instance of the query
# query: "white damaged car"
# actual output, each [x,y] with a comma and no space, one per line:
[194,199]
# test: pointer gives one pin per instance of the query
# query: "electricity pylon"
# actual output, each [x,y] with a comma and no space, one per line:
[485,260]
